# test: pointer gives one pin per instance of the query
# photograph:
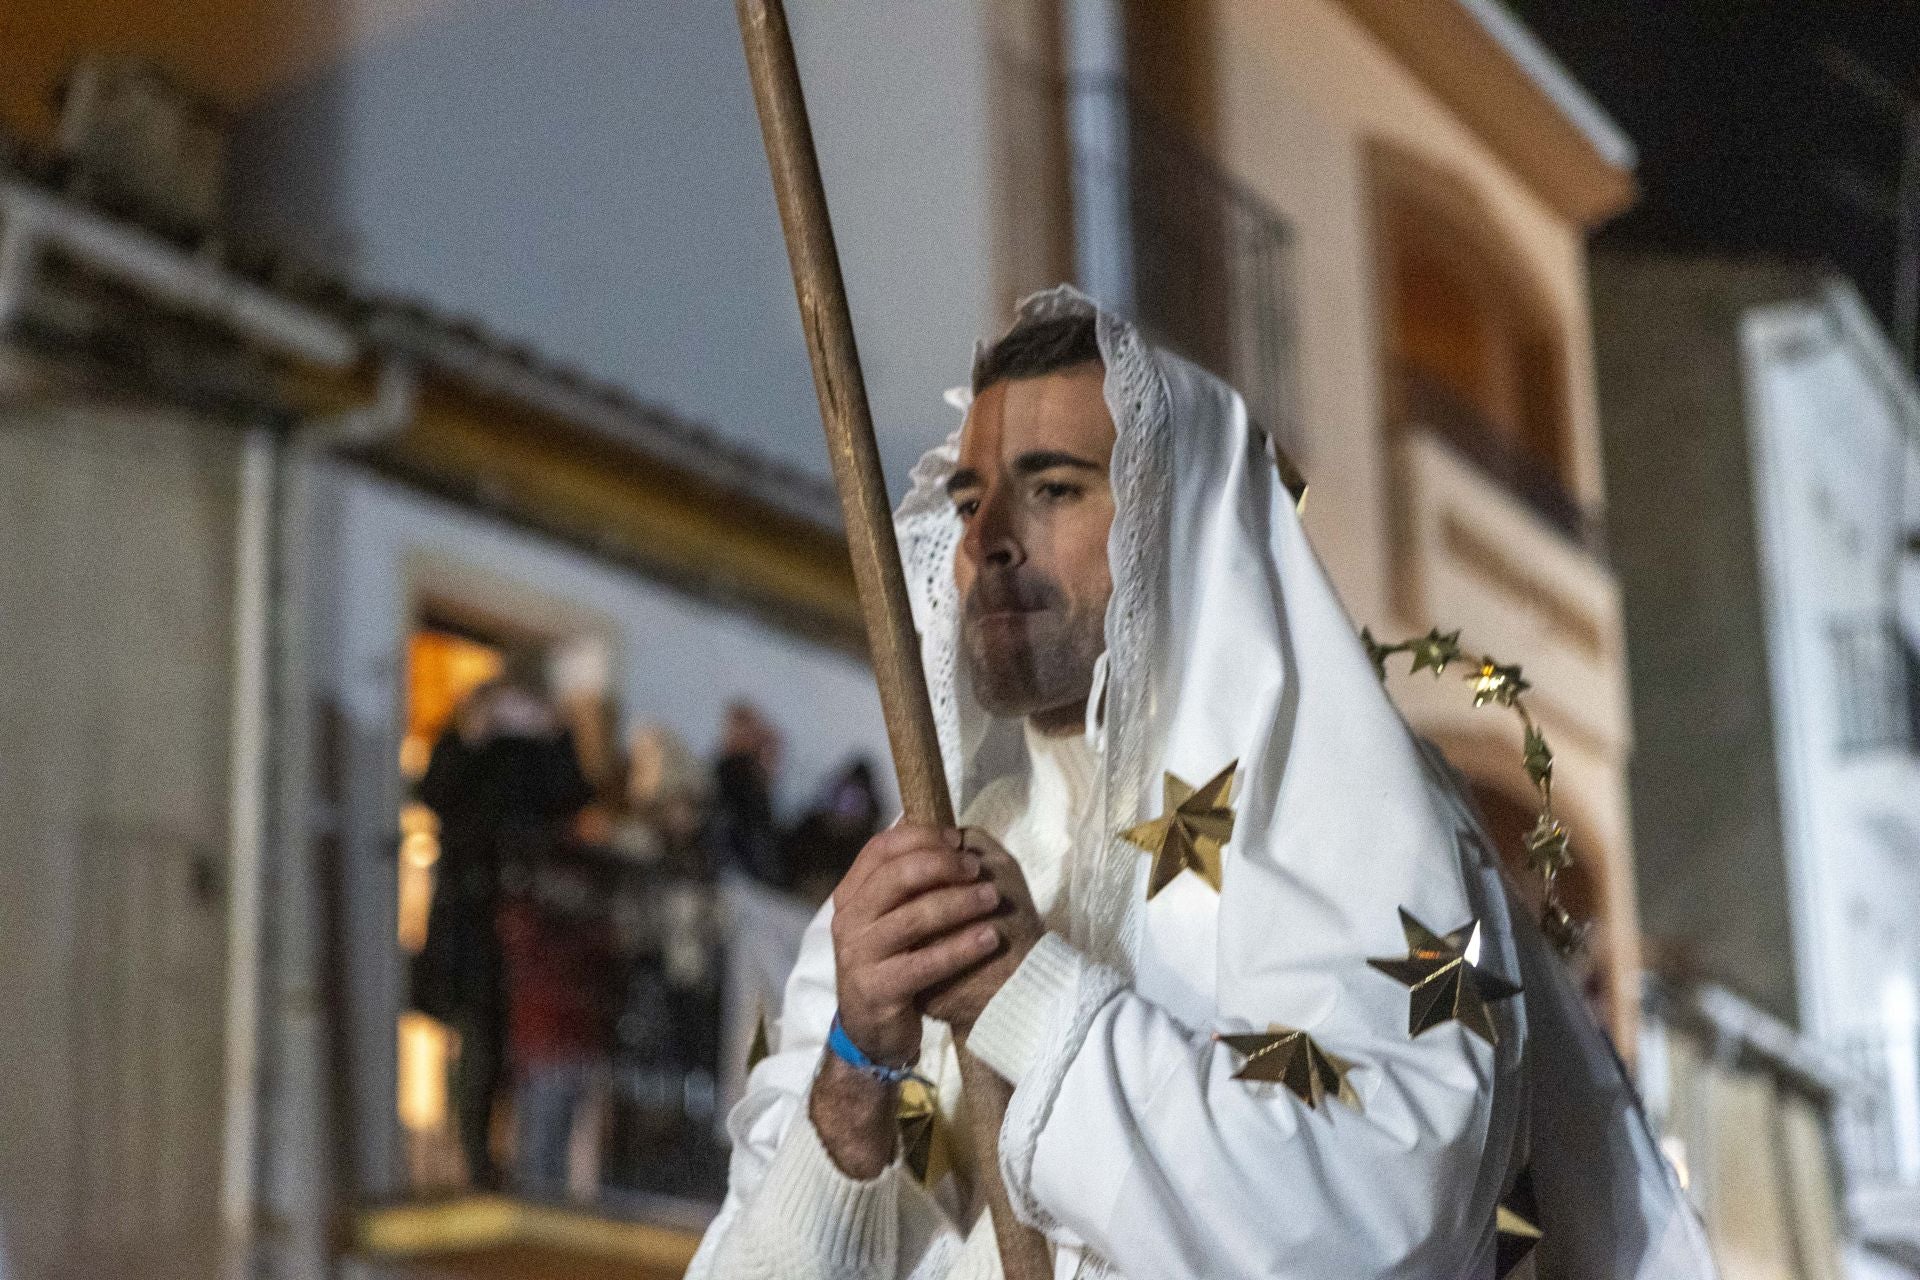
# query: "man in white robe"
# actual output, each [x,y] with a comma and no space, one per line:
[1191,819]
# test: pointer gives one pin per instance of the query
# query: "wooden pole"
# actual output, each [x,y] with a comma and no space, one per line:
[862,484]
[844,412]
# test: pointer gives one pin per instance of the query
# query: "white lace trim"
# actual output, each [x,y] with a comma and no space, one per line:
[975,749]
[1032,1101]
[1101,914]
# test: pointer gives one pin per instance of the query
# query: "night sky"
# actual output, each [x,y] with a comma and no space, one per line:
[1755,133]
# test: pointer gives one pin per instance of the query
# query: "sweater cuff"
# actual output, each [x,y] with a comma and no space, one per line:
[1011,1031]
[851,1225]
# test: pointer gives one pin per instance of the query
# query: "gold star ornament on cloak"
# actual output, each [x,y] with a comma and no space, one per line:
[1286,1056]
[1444,985]
[923,1133]
[1190,834]
[1516,1226]
[761,1047]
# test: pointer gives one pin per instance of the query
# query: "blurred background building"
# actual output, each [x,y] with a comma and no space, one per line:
[1755,319]
[1761,432]
[394,389]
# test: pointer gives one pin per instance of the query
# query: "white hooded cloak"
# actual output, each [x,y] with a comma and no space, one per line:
[1128,1140]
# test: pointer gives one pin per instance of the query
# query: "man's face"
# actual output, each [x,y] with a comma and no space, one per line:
[1034,499]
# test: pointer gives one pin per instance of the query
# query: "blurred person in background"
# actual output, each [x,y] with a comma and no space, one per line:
[831,833]
[555,937]
[764,920]
[668,932]
[765,928]
[504,782]
[746,831]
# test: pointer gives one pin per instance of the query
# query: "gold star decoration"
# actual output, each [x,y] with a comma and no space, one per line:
[1537,756]
[923,1132]
[1562,930]
[1445,987]
[1495,683]
[1191,833]
[1433,651]
[1290,477]
[1376,652]
[1516,1229]
[1284,1055]
[760,1046]
[1547,846]
[1549,850]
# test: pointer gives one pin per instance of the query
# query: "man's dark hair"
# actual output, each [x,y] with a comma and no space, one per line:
[1042,347]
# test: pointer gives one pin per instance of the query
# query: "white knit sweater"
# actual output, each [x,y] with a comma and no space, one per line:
[805,1219]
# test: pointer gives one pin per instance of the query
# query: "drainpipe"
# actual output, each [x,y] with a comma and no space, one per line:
[272,751]
[1099,139]
[19,254]
[247,793]
[395,395]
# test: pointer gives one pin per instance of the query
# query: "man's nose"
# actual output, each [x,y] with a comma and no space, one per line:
[992,538]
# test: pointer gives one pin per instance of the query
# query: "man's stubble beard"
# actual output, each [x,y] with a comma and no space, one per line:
[1044,661]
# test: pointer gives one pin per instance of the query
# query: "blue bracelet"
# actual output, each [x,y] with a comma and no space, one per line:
[848,1052]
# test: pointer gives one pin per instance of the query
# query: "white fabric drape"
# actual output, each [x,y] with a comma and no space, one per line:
[1128,1141]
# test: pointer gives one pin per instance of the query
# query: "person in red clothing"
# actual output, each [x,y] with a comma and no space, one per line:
[559,954]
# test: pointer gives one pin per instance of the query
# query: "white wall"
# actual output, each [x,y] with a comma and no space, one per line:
[1836,477]
[676,660]
[587,177]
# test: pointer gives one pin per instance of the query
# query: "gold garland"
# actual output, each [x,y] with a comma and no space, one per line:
[1548,845]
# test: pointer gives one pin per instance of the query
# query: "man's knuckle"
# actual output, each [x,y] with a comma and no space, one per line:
[925,915]
[929,865]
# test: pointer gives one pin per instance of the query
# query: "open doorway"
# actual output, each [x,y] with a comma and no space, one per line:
[444,668]
[558,915]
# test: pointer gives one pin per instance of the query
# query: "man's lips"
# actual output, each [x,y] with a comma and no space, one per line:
[1019,628]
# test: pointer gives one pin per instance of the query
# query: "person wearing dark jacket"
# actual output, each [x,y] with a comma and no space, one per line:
[823,844]
[503,781]
[746,832]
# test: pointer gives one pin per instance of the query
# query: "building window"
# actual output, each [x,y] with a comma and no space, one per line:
[1107,186]
[1473,352]
[1212,268]
[1876,683]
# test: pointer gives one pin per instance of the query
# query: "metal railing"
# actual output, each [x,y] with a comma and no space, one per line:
[1206,268]
[1877,1130]
[1876,675]
[1427,402]
[1209,264]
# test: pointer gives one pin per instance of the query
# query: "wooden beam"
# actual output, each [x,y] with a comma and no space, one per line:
[588,489]
[484,1236]
[613,499]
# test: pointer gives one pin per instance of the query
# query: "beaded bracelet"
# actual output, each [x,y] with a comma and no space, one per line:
[848,1052]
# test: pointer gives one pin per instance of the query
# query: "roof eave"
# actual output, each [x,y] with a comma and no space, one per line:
[1502,83]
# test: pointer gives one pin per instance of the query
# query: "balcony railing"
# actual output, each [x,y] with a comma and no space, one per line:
[1209,264]
[1878,1136]
[1876,675]
[1429,403]
[1869,1145]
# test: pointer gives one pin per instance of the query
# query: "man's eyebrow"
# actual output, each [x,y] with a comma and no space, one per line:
[1039,460]
[1030,463]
